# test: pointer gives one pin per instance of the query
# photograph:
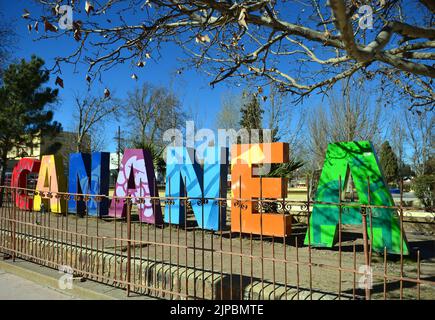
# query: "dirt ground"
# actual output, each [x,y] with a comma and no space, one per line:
[262,258]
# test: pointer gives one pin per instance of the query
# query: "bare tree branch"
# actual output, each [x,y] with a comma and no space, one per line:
[250,39]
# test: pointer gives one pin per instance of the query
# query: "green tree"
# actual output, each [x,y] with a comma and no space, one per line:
[388,162]
[251,115]
[424,185]
[23,113]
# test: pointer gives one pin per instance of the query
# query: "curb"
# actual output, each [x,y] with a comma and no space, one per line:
[52,282]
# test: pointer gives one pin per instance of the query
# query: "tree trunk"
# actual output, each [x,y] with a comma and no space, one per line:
[79,144]
[4,166]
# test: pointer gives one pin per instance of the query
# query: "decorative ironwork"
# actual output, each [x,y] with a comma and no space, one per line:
[240,204]
[201,202]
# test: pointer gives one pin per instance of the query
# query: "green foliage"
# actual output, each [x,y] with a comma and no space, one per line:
[405,171]
[156,154]
[388,162]
[251,114]
[424,185]
[285,170]
[23,99]
[424,190]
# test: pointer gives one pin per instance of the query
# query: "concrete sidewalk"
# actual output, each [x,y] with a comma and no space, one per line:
[26,280]
[13,287]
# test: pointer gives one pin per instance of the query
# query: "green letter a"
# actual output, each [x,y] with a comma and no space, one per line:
[356,161]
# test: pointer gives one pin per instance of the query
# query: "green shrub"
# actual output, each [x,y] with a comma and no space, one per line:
[424,186]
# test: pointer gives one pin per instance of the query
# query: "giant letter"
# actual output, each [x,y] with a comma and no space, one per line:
[51,179]
[19,180]
[136,178]
[89,175]
[185,176]
[244,215]
[356,161]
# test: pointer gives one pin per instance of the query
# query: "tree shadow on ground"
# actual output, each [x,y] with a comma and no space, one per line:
[391,287]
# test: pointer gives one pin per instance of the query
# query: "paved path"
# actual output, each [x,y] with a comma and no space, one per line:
[13,287]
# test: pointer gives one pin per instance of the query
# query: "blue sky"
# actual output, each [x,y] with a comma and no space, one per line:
[191,86]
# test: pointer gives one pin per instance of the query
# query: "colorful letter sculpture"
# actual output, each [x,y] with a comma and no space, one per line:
[19,180]
[136,178]
[51,179]
[184,175]
[89,174]
[244,214]
[358,160]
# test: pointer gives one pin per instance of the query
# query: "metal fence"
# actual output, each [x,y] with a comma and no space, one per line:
[186,262]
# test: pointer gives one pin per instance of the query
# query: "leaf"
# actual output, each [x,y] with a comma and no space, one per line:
[141,64]
[77,30]
[77,34]
[77,24]
[147,55]
[26,14]
[106,93]
[134,76]
[242,18]
[59,82]
[260,89]
[88,78]
[202,38]
[36,26]
[29,27]
[89,7]
[56,9]
[49,27]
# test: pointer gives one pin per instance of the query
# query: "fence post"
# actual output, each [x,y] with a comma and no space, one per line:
[128,245]
[365,236]
[14,223]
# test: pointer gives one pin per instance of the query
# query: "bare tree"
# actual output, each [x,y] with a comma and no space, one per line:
[7,39]
[302,46]
[318,137]
[280,117]
[229,115]
[90,112]
[399,139]
[152,110]
[353,118]
[349,117]
[421,133]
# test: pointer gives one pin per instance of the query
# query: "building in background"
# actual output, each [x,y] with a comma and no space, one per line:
[62,144]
